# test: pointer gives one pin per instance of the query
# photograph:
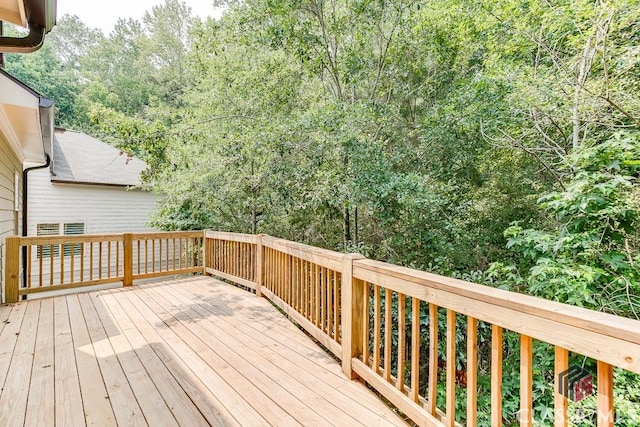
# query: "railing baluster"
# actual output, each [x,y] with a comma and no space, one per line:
[173,254]
[117,259]
[376,329]
[472,372]
[61,253]
[307,299]
[29,266]
[279,274]
[316,295]
[100,260]
[451,369]
[40,261]
[402,326]
[605,412]
[560,401]
[336,307]
[290,273]
[415,349]
[330,308]
[82,262]
[298,285]
[72,252]
[433,358]
[109,259]
[526,381]
[91,261]
[51,252]
[323,300]
[272,271]
[496,376]
[365,321]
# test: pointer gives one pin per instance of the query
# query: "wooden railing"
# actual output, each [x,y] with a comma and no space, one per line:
[370,315]
[54,263]
[394,327]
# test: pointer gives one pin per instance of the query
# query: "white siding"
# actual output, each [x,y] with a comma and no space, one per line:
[103,209]
[9,165]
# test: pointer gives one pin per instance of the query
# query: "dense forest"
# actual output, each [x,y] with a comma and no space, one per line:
[496,141]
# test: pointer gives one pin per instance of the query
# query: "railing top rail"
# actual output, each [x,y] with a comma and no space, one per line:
[234,237]
[71,238]
[112,237]
[323,257]
[594,334]
[166,235]
[604,323]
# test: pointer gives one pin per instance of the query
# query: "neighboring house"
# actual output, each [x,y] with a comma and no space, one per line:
[89,188]
[26,121]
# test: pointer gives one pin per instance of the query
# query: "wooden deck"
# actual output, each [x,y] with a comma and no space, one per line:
[187,352]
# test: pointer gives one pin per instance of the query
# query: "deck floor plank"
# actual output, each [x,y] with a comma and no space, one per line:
[299,401]
[191,352]
[95,399]
[247,392]
[152,404]
[233,402]
[8,339]
[177,399]
[123,401]
[15,392]
[69,403]
[41,402]
[364,409]
[205,401]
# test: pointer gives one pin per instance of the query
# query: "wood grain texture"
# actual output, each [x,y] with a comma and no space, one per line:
[472,372]
[496,376]
[560,407]
[180,352]
[605,413]
[526,381]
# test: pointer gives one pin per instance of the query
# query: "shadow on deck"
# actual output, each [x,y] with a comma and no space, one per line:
[188,352]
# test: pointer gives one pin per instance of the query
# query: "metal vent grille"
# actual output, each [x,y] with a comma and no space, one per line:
[48,230]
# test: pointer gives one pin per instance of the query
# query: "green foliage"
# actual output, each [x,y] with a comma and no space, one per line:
[414,133]
[590,257]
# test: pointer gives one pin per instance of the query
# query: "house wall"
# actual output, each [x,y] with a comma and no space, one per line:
[10,220]
[103,209]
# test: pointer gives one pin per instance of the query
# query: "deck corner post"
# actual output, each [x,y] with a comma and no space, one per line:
[352,319]
[259,272]
[127,244]
[12,270]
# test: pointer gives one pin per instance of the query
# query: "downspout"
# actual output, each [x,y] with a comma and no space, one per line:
[1,54]
[46,125]
[25,205]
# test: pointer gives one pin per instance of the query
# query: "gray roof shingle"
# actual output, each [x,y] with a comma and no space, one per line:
[80,158]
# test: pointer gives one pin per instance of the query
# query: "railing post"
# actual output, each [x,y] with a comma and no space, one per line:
[12,270]
[259,272]
[127,244]
[352,316]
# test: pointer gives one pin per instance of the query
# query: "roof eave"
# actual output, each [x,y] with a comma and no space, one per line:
[100,184]
[26,119]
